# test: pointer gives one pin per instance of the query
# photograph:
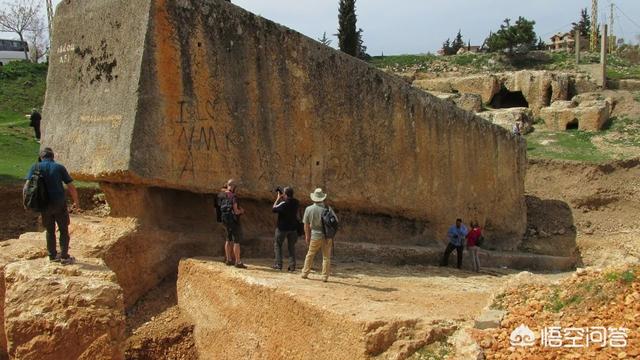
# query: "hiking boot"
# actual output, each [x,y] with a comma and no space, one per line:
[241,266]
[67,260]
[305,276]
[291,268]
[55,259]
[230,262]
[277,267]
[325,279]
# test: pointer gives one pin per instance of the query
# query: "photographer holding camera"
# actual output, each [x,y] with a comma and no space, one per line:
[286,206]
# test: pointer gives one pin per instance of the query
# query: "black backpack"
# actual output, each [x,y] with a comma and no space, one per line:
[35,194]
[226,210]
[329,223]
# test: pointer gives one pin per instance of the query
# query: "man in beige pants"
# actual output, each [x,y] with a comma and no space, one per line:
[314,235]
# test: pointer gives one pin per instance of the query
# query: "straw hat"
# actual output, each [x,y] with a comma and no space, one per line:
[318,195]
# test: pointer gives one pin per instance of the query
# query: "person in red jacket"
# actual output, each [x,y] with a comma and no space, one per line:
[472,245]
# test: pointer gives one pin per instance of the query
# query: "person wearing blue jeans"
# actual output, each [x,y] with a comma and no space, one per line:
[456,234]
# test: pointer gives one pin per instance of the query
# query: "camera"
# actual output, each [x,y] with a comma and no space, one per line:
[278,190]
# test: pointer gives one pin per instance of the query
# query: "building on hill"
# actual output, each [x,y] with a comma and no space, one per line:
[566,41]
[12,50]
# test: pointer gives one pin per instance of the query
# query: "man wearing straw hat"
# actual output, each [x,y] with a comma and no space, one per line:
[314,235]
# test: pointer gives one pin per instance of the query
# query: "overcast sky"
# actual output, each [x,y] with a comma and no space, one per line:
[420,26]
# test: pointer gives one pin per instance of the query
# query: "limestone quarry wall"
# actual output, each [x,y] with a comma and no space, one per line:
[186,94]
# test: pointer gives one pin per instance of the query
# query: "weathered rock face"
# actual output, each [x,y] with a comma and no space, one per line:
[508,117]
[55,312]
[589,115]
[186,94]
[484,85]
[465,101]
[539,88]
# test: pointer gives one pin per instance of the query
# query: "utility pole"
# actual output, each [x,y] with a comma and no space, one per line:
[612,44]
[593,44]
[603,56]
[49,17]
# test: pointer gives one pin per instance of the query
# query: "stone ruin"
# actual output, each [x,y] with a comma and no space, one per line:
[161,101]
[183,95]
[554,97]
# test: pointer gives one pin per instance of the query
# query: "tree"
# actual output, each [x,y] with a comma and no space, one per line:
[457,43]
[584,24]
[517,38]
[38,40]
[19,17]
[362,50]
[324,40]
[347,34]
[446,48]
[541,44]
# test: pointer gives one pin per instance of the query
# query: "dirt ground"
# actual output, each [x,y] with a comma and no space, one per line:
[595,207]
[157,329]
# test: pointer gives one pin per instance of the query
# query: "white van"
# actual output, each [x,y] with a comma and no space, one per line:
[12,50]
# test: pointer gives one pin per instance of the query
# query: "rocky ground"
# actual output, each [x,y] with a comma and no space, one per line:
[589,298]
[157,329]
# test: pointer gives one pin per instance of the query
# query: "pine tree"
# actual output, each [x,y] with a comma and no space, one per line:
[347,33]
[516,38]
[362,50]
[584,24]
[446,47]
[457,43]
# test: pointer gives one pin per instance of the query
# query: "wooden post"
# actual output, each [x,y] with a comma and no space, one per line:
[603,56]
[576,43]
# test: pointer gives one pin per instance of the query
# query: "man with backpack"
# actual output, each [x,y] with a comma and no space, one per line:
[230,213]
[54,208]
[286,206]
[320,226]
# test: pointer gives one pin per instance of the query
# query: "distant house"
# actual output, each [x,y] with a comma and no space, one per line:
[12,50]
[566,41]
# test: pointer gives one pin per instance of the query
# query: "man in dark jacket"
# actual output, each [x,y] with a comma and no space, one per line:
[286,206]
[35,119]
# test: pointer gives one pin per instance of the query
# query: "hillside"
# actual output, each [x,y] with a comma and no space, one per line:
[620,66]
[22,87]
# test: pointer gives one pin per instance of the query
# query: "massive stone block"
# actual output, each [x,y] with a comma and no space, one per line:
[185,94]
[53,312]
[270,315]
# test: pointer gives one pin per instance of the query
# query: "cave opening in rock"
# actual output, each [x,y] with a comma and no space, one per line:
[508,99]
[572,125]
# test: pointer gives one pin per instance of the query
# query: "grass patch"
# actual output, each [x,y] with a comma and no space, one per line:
[22,87]
[619,139]
[435,351]
[401,63]
[565,145]
[626,277]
